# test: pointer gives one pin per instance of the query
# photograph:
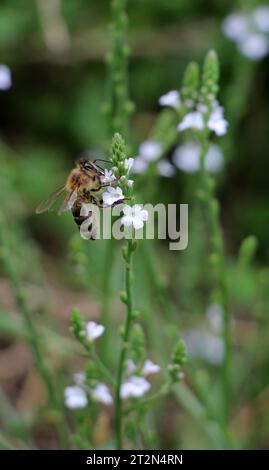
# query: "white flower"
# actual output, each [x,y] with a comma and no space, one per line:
[135,216]
[235,25]
[216,121]
[75,397]
[150,368]
[181,375]
[187,158]
[139,165]
[134,387]
[108,176]
[261,18]
[254,46]
[172,99]
[128,163]
[189,103]
[205,346]
[112,195]
[193,120]
[214,315]
[150,150]
[79,378]
[165,168]
[5,77]
[102,394]
[130,183]
[94,330]
[202,107]
[131,367]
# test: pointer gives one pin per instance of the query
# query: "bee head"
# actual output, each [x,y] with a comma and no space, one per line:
[86,165]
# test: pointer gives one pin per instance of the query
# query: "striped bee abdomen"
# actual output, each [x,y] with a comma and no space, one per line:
[82,213]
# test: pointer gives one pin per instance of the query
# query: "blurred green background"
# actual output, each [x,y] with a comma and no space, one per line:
[52,113]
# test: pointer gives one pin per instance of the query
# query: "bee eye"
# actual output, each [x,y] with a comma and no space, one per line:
[87,166]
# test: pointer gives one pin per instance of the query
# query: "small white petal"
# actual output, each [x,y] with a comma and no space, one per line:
[150,368]
[187,158]
[108,176]
[5,77]
[112,195]
[79,378]
[214,315]
[102,394]
[140,165]
[236,25]
[150,150]
[130,183]
[127,210]
[135,216]
[137,222]
[75,397]
[94,330]
[134,387]
[205,346]
[130,366]
[128,163]
[165,168]
[216,121]
[254,46]
[192,120]
[127,220]
[261,18]
[172,99]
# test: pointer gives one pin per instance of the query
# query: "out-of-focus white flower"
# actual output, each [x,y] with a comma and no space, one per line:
[131,367]
[202,107]
[134,387]
[5,77]
[261,18]
[94,330]
[165,168]
[235,25]
[189,103]
[140,165]
[130,183]
[150,368]
[216,121]
[135,216]
[193,120]
[187,158]
[181,375]
[205,346]
[102,394]
[108,176]
[112,195]
[128,163]
[75,397]
[254,46]
[214,315]
[79,378]
[249,32]
[150,150]
[171,99]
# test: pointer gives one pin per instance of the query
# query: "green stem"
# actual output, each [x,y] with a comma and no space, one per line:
[102,367]
[125,344]
[118,106]
[33,334]
[218,259]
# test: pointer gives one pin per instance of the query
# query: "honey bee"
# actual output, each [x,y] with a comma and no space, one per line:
[83,187]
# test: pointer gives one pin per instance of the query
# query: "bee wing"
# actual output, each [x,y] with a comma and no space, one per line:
[68,202]
[48,203]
